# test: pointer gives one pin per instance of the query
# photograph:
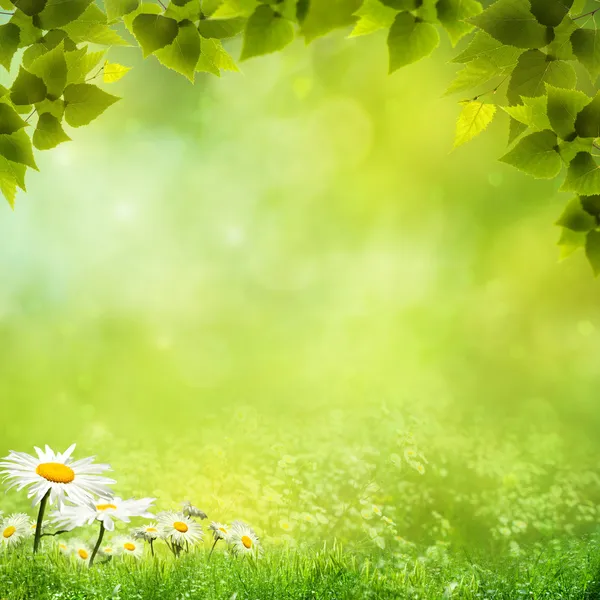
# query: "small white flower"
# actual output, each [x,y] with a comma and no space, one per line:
[191,511]
[178,528]
[80,552]
[243,539]
[55,473]
[103,510]
[127,546]
[220,531]
[15,529]
[148,533]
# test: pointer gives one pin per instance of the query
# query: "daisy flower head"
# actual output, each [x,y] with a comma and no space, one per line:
[178,528]
[148,532]
[243,539]
[81,552]
[105,510]
[55,475]
[192,511]
[63,547]
[220,531]
[108,549]
[14,529]
[128,546]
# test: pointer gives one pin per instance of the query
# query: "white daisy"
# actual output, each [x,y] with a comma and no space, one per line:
[55,475]
[243,539]
[191,511]
[178,528]
[63,547]
[220,531]
[127,546]
[108,549]
[14,530]
[80,552]
[103,510]
[148,532]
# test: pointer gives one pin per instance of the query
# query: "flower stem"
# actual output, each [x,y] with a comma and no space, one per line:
[97,546]
[211,550]
[152,548]
[40,520]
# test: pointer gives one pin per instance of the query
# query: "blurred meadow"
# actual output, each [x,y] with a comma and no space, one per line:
[286,300]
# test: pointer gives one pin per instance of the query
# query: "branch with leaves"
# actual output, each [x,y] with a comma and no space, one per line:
[538,61]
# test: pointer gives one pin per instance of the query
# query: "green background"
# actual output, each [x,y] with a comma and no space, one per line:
[278,293]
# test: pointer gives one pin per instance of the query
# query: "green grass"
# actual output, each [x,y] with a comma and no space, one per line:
[561,570]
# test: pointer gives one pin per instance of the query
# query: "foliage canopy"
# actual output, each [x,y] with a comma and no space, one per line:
[536,60]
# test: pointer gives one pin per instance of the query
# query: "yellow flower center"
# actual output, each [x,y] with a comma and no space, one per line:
[82,554]
[9,532]
[55,472]
[151,529]
[223,530]
[129,547]
[246,541]
[181,526]
[105,506]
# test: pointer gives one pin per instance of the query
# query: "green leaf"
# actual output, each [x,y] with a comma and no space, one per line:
[231,9]
[213,58]
[27,88]
[119,8]
[532,113]
[11,175]
[183,53]
[10,36]
[92,27]
[221,28]
[266,31]
[583,176]
[563,108]
[154,32]
[53,107]
[536,155]
[586,47]
[534,69]
[410,40]
[326,15]
[189,11]
[569,242]
[474,118]
[592,250]
[587,123]
[80,63]
[10,121]
[113,72]
[475,73]
[575,218]
[52,69]
[48,132]
[453,15]
[485,46]
[85,102]
[570,149]
[30,7]
[29,33]
[550,12]
[60,12]
[372,16]
[561,47]
[511,22]
[16,147]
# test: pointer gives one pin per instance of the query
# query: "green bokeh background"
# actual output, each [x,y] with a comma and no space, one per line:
[290,266]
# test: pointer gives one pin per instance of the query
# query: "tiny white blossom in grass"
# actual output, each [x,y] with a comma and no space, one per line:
[108,550]
[103,510]
[148,532]
[128,546]
[55,475]
[220,531]
[63,547]
[81,552]
[178,528]
[192,511]
[286,525]
[14,530]
[243,540]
